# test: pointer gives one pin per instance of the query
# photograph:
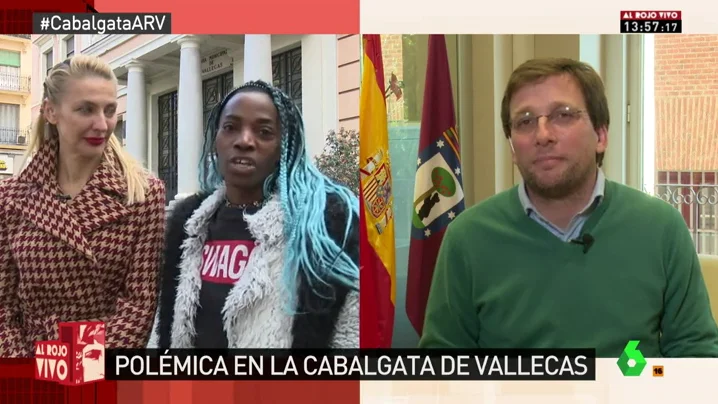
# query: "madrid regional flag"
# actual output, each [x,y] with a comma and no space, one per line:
[438,191]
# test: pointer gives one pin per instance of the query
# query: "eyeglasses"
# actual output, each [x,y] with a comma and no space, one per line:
[561,117]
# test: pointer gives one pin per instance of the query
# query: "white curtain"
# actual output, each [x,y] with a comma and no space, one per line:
[9,116]
[9,123]
[10,78]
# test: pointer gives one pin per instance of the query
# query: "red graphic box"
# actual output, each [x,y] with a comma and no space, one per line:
[77,358]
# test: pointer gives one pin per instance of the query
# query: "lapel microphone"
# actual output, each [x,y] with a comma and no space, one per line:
[586,241]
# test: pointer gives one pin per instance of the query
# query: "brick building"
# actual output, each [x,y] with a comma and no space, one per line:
[686,89]
[686,132]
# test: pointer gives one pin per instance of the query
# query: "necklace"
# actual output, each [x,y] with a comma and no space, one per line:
[255,204]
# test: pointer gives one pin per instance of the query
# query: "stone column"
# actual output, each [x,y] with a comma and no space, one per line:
[136,116]
[189,117]
[319,90]
[258,58]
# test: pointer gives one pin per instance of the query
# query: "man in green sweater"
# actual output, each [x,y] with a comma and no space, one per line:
[567,259]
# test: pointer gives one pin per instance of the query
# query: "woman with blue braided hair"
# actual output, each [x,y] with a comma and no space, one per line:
[266,254]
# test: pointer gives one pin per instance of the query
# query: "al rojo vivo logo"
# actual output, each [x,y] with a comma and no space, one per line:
[77,358]
[632,361]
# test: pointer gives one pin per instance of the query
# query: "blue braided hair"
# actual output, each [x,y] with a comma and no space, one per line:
[303,192]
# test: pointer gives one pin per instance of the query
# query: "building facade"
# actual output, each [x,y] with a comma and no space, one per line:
[15,115]
[170,83]
[685,86]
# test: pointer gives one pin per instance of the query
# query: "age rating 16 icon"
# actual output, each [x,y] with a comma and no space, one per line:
[658,371]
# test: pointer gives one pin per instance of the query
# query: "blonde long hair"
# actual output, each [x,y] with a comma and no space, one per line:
[81,66]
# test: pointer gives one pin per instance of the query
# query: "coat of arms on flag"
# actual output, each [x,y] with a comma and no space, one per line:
[376,182]
[438,190]
[438,194]
[376,234]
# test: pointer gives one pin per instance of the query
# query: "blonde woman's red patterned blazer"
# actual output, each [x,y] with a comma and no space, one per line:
[92,258]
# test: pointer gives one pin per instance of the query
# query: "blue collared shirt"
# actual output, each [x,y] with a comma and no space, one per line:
[573,231]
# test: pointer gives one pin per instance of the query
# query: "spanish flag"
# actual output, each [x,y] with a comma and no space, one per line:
[377,259]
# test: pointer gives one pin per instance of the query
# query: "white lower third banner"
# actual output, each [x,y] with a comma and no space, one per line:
[662,381]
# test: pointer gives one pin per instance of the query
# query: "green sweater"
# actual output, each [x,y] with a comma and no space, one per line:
[504,281]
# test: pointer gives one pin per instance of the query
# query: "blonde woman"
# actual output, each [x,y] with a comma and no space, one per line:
[82,226]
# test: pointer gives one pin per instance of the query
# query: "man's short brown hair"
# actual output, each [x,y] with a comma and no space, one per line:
[532,71]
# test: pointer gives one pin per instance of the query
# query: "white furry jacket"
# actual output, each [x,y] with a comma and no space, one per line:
[254,311]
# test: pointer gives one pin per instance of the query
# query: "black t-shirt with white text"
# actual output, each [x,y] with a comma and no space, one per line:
[224,258]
